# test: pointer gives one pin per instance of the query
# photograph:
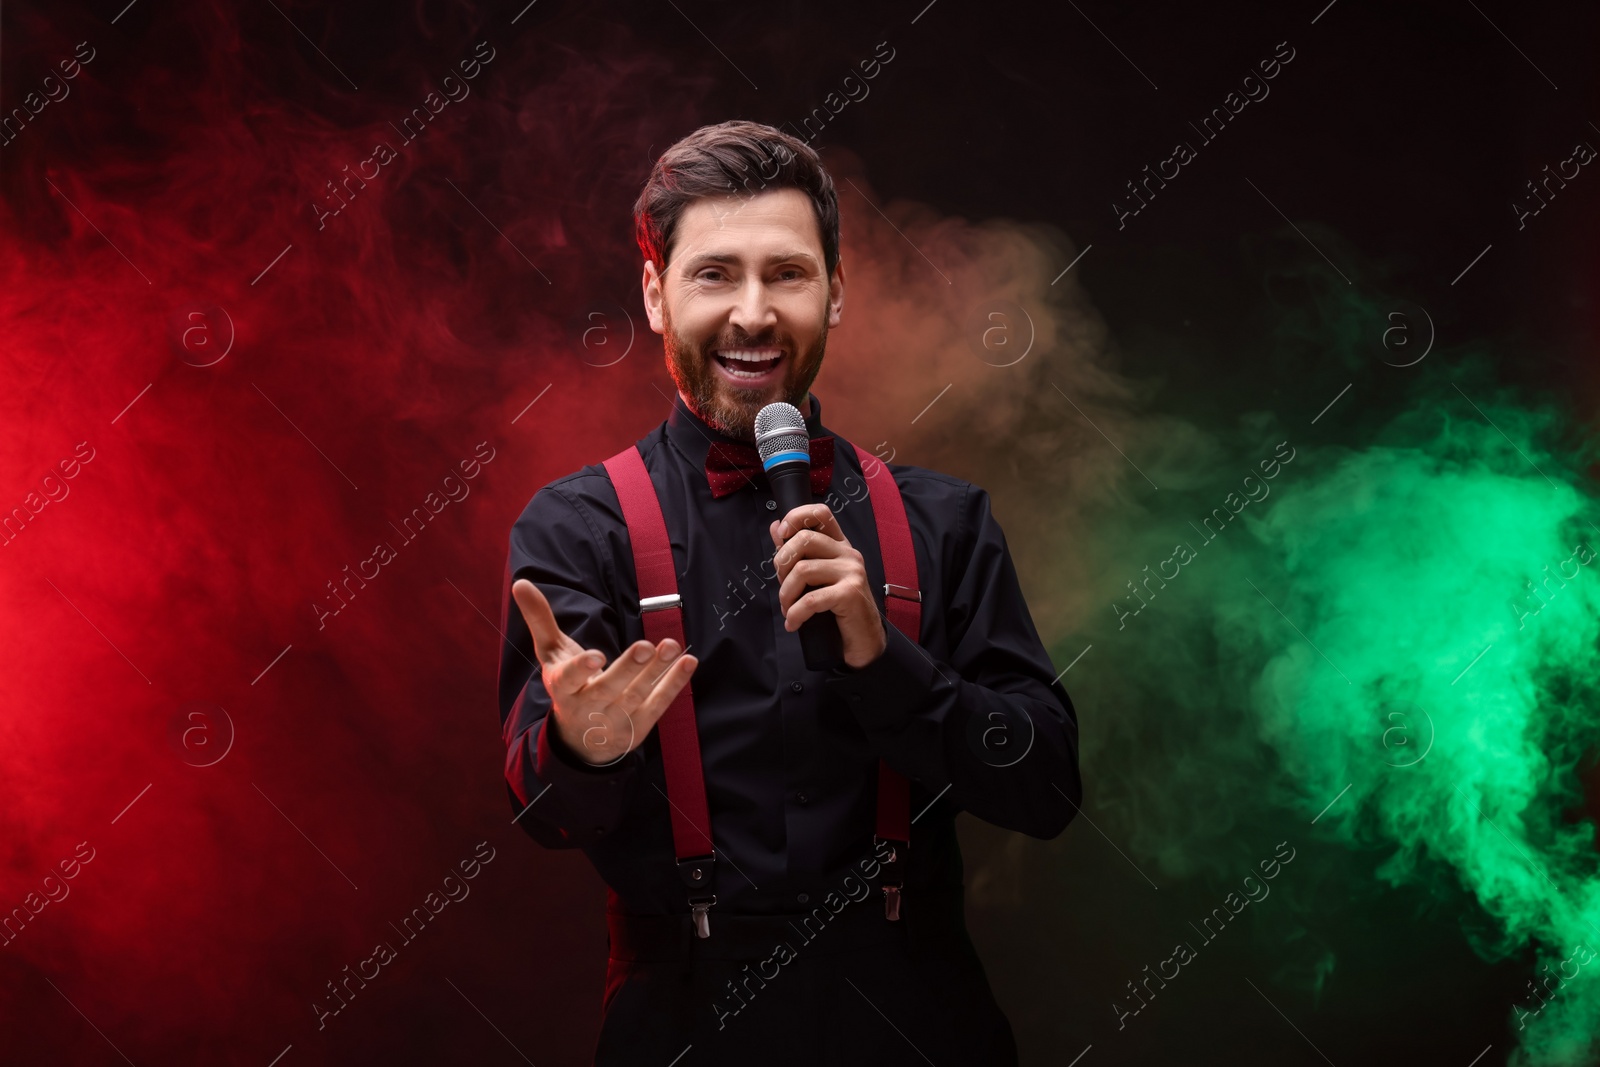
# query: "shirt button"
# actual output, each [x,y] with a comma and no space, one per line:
[772,505]
[802,799]
[796,686]
[802,898]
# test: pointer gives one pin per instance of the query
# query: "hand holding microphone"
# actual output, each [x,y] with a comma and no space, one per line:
[823,591]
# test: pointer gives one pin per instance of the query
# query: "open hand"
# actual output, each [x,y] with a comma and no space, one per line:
[602,715]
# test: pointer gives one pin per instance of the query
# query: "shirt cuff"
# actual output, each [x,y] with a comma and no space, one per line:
[554,760]
[887,692]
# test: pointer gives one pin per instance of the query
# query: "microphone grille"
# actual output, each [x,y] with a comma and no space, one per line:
[781,428]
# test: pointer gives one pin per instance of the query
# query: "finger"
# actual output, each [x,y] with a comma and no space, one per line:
[827,598]
[609,684]
[567,674]
[806,573]
[662,694]
[550,645]
[810,517]
[634,694]
[809,544]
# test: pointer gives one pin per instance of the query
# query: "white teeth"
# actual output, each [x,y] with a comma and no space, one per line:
[729,356]
[749,355]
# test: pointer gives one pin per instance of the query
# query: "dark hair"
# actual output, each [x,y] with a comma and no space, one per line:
[721,160]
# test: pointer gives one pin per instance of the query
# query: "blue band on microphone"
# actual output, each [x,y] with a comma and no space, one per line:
[786,457]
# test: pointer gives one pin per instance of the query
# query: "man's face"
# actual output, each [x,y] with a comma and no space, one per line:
[745,278]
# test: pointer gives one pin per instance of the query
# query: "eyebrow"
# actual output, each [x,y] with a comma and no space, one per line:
[706,258]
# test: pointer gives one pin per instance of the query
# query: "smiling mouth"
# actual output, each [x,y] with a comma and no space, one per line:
[749,363]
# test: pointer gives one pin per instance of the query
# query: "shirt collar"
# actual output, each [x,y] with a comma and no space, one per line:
[693,435]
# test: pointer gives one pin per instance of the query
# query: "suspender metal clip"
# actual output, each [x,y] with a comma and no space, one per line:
[696,872]
[702,923]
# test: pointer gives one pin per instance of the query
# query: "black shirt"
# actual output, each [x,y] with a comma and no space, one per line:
[972,717]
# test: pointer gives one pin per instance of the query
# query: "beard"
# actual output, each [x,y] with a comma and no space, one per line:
[726,406]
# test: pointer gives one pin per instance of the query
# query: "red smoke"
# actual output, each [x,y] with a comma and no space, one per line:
[270,323]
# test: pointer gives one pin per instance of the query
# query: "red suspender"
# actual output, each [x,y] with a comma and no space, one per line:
[661,611]
[902,599]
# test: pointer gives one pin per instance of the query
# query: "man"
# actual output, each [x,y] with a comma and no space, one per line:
[790,955]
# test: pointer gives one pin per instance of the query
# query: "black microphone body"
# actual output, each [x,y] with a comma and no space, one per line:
[820,640]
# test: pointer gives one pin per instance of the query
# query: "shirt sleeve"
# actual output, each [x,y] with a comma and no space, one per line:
[992,723]
[558,799]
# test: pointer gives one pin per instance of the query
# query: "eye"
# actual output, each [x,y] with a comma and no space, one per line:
[701,276]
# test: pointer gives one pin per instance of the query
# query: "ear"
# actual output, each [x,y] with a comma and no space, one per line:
[651,284]
[836,293]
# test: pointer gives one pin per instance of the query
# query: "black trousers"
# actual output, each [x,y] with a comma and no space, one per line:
[818,989]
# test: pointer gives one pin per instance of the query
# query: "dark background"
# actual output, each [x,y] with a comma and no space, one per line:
[1396,140]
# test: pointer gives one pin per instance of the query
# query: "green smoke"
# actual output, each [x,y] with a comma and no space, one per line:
[1450,586]
[1399,641]
[1320,578]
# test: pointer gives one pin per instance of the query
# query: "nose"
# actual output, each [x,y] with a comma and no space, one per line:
[753,311]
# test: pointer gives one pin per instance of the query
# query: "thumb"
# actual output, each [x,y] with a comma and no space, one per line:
[549,643]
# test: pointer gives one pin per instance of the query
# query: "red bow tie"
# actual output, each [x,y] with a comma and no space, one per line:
[729,466]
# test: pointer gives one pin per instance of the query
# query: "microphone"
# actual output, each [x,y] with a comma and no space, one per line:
[785,448]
